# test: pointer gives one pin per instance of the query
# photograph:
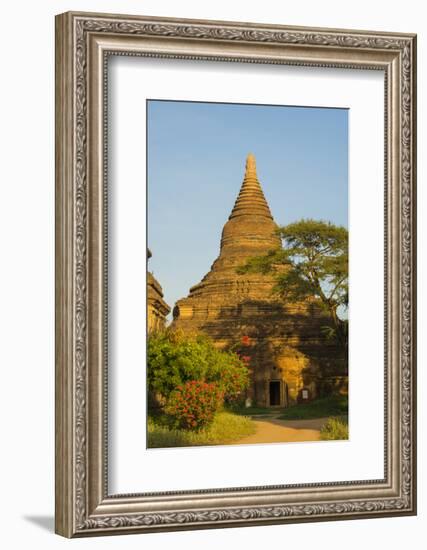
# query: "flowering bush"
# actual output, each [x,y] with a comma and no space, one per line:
[246,341]
[234,379]
[192,405]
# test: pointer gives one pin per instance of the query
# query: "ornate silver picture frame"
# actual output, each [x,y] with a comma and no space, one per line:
[84,505]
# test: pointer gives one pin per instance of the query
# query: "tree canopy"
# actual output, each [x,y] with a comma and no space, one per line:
[174,358]
[313,263]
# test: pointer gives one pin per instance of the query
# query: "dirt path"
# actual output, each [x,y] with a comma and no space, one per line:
[272,430]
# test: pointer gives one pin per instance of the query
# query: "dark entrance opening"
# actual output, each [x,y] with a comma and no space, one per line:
[274,393]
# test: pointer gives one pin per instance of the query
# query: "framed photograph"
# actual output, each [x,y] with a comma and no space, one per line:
[235,274]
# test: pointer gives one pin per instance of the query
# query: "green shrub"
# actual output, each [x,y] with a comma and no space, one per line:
[192,406]
[336,428]
[336,405]
[174,358]
[225,428]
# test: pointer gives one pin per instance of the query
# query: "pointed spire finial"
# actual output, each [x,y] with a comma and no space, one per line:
[250,166]
[251,200]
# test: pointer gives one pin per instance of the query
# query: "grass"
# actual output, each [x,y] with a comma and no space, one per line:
[336,428]
[327,406]
[225,428]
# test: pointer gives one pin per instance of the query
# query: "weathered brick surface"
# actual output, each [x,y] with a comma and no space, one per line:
[287,341]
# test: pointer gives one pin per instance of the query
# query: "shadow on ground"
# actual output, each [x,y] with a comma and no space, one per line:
[44,522]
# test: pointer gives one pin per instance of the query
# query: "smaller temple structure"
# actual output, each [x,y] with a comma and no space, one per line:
[157,308]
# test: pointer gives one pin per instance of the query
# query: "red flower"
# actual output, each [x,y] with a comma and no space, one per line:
[194,406]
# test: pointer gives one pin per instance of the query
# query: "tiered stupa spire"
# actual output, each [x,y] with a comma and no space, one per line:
[250,229]
[251,199]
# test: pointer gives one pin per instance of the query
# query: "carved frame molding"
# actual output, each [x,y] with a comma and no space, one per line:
[83,43]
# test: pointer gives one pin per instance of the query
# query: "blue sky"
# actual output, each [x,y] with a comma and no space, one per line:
[196,162]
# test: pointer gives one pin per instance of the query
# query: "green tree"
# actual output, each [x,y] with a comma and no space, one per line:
[174,358]
[313,263]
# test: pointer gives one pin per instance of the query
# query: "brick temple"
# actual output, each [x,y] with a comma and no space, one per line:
[290,358]
[157,308]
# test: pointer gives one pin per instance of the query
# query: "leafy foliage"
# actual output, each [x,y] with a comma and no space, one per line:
[193,405]
[174,359]
[313,263]
[335,429]
[225,428]
[335,405]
